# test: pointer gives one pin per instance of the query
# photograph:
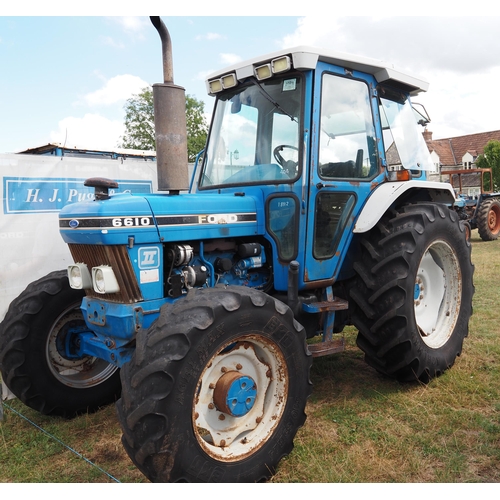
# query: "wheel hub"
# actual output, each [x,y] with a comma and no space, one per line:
[68,368]
[416,293]
[235,394]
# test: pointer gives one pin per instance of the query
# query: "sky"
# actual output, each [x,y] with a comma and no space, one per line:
[66,73]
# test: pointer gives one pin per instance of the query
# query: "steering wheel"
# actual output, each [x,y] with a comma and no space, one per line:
[289,166]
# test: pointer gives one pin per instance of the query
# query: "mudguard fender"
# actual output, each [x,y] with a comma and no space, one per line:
[387,194]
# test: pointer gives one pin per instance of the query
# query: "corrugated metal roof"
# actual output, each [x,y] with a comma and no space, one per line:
[58,149]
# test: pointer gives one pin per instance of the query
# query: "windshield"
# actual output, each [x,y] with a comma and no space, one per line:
[411,151]
[255,134]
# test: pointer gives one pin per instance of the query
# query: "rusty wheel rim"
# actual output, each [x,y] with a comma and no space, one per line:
[254,372]
[79,373]
[494,219]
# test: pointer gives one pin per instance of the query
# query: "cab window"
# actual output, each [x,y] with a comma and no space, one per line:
[347,146]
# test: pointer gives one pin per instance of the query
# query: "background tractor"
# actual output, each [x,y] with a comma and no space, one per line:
[479,211]
[204,306]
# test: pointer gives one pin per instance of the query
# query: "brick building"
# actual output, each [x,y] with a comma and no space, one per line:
[459,153]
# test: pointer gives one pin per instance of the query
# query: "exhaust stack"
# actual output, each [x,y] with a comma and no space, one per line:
[169,103]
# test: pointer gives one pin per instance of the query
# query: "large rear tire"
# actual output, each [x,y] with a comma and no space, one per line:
[32,361]
[216,389]
[488,219]
[413,298]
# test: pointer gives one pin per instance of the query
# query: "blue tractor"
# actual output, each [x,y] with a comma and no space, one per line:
[202,308]
[480,211]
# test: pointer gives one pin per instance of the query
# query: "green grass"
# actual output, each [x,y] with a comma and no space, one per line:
[361,426]
[29,455]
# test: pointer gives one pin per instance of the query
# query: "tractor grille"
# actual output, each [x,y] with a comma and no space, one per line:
[116,257]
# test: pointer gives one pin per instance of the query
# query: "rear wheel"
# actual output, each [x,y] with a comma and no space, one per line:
[488,219]
[414,292]
[33,339]
[216,389]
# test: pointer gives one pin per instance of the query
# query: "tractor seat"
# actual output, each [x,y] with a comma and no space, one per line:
[338,169]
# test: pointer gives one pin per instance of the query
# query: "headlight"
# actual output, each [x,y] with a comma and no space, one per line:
[279,65]
[263,72]
[225,82]
[104,280]
[79,276]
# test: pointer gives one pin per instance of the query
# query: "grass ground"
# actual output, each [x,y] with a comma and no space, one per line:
[361,427]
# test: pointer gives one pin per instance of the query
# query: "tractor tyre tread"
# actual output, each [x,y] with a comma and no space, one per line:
[155,408]
[23,362]
[383,299]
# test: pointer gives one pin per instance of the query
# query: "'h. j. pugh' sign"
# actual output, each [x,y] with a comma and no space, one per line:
[31,195]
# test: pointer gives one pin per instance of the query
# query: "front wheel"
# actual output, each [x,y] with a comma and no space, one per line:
[413,298]
[216,389]
[34,366]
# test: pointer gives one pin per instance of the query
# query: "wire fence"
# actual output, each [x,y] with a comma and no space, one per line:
[51,436]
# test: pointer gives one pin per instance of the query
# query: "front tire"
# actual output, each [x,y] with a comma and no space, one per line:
[32,360]
[216,389]
[413,298]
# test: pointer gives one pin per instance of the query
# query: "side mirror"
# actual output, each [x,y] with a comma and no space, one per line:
[235,105]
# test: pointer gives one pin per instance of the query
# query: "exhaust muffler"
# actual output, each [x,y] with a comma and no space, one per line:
[169,101]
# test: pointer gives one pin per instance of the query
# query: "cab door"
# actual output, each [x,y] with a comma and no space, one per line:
[344,164]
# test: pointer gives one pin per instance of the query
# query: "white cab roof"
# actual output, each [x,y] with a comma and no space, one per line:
[304,57]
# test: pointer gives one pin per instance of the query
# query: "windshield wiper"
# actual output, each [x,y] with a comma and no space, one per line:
[271,100]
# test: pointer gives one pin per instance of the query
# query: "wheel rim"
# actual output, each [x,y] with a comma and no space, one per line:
[494,219]
[241,396]
[437,294]
[77,373]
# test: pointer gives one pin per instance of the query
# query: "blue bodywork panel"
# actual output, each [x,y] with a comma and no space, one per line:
[109,222]
[161,218]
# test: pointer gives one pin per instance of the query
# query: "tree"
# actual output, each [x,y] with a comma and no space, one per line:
[139,124]
[197,128]
[491,159]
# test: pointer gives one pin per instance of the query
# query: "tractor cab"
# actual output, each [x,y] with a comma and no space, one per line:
[307,132]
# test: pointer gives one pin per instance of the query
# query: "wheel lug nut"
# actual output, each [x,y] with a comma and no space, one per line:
[222,416]
[239,366]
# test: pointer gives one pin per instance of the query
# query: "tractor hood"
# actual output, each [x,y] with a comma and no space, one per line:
[158,218]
